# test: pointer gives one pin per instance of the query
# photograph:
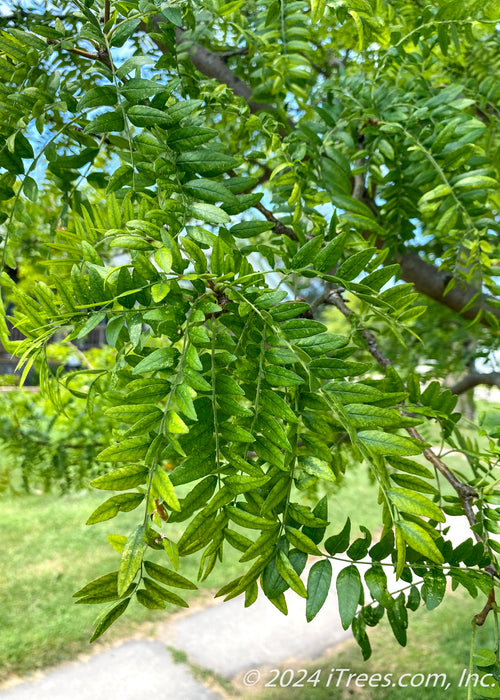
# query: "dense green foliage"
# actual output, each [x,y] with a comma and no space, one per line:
[160,157]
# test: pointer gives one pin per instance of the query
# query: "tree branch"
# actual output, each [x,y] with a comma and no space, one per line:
[209,64]
[475,379]
[465,492]
[279,227]
[431,282]
[335,299]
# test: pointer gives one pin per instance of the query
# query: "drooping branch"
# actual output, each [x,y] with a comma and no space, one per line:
[475,379]
[465,492]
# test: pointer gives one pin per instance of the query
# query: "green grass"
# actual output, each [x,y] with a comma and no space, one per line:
[48,553]
[438,642]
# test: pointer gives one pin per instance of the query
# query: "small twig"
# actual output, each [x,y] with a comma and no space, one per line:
[107,9]
[480,618]
[233,52]
[465,492]
[77,52]
[334,298]
[279,227]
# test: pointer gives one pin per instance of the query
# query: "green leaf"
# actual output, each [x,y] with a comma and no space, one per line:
[351,204]
[269,299]
[272,430]
[288,310]
[209,191]
[117,542]
[419,540]
[303,515]
[174,424]
[122,478]
[234,433]
[433,589]
[150,598]
[330,368]
[123,502]
[340,542]
[413,502]
[247,229]
[189,137]
[162,593]
[317,468]
[239,484]
[398,619]
[321,344]
[108,122]
[318,586]
[376,581]
[314,531]
[161,358]
[131,412]
[107,618]
[273,402]
[279,376]
[317,10]
[356,263]
[301,328]
[476,182]
[388,444]
[30,188]
[307,253]
[168,577]
[413,602]
[366,416]
[129,450]
[484,657]
[350,392]
[132,555]
[349,589]
[141,115]
[113,328]
[176,113]
[100,96]
[184,400]
[288,573]
[241,517]
[137,89]
[209,213]
[123,31]
[131,64]
[103,584]
[206,161]
[330,254]
[162,486]
[301,541]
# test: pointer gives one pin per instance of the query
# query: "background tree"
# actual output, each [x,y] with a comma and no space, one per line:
[160,157]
